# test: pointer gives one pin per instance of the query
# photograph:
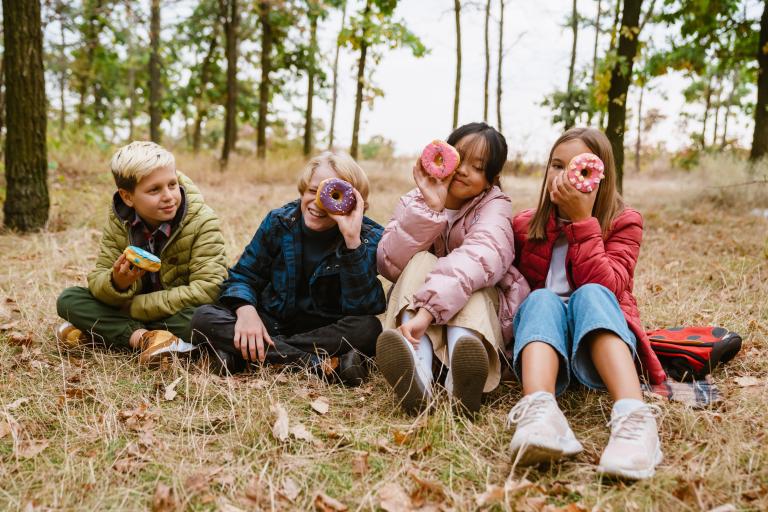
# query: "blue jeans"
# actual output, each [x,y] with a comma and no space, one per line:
[544,317]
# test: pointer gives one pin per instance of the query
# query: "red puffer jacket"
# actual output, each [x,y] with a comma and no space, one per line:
[610,262]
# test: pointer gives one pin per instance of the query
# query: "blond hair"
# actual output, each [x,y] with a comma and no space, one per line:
[608,203]
[138,159]
[343,165]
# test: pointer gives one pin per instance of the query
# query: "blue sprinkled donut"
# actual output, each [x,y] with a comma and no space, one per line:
[336,196]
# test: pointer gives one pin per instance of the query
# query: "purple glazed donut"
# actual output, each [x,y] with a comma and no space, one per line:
[336,196]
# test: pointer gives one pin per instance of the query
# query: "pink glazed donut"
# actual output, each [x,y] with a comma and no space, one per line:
[336,196]
[585,172]
[439,159]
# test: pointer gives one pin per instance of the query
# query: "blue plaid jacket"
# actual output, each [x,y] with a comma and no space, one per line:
[344,283]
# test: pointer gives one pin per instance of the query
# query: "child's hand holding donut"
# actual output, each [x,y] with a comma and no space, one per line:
[435,191]
[350,224]
[574,205]
[124,274]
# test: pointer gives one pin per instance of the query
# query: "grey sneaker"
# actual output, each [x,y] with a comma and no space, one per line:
[634,450]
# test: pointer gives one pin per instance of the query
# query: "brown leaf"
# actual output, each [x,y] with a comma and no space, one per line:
[321,405]
[392,498]
[425,489]
[170,391]
[164,499]
[138,419]
[280,427]
[299,431]
[197,482]
[290,489]
[9,426]
[255,495]
[747,381]
[324,503]
[128,465]
[496,494]
[20,339]
[401,437]
[360,464]
[31,448]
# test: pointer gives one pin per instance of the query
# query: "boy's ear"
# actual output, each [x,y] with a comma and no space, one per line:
[126,196]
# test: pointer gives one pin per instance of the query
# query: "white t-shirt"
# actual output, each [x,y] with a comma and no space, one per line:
[450,215]
[557,280]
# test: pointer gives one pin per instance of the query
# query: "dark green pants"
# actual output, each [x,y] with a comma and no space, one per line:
[110,325]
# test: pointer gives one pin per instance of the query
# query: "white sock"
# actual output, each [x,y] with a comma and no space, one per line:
[626,406]
[424,350]
[455,332]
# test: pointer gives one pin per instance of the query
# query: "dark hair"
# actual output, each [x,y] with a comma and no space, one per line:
[495,147]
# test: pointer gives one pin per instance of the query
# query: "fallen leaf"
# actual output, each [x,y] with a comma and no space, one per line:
[290,489]
[360,464]
[170,391]
[164,499]
[255,495]
[280,427]
[139,418]
[401,438]
[197,482]
[16,403]
[8,326]
[496,493]
[392,498]
[747,381]
[9,426]
[31,448]
[20,339]
[425,489]
[321,405]
[299,431]
[324,503]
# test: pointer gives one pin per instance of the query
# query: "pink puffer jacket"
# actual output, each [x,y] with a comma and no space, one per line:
[478,253]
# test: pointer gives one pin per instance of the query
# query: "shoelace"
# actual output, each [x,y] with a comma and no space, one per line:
[630,426]
[528,409]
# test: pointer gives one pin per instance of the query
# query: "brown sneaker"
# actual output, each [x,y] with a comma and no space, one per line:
[158,346]
[69,337]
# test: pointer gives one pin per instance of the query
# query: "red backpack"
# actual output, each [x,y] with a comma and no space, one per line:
[690,353]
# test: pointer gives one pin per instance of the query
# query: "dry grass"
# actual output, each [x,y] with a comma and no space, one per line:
[113,440]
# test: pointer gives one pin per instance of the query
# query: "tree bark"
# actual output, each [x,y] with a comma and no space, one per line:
[612,46]
[621,77]
[2,94]
[92,12]
[638,141]
[719,92]
[707,107]
[26,162]
[335,78]
[353,149]
[457,88]
[200,107]
[265,85]
[760,134]
[730,102]
[572,68]
[499,64]
[231,22]
[155,115]
[487,61]
[308,139]
[594,54]
[63,73]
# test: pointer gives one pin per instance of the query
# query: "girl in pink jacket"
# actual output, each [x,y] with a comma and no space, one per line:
[449,250]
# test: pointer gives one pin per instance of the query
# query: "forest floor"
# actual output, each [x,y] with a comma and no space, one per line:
[91,430]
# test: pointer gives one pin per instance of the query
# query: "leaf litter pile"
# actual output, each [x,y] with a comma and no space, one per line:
[89,429]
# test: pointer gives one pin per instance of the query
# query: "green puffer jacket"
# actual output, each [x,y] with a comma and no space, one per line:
[193,263]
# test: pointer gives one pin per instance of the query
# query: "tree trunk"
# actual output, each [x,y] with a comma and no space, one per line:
[707,107]
[719,91]
[26,163]
[731,100]
[231,23]
[500,61]
[457,88]
[155,115]
[621,77]
[360,81]
[487,61]
[336,77]
[308,139]
[612,46]
[91,11]
[638,141]
[594,55]
[200,107]
[264,86]
[63,74]
[2,94]
[572,68]
[760,134]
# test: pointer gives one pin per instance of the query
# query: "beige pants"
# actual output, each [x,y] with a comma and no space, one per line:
[479,314]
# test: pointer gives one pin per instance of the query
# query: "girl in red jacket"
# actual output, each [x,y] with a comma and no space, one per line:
[578,252]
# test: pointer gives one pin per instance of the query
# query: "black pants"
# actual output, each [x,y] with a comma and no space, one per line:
[296,342]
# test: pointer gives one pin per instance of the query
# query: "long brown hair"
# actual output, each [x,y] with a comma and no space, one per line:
[608,203]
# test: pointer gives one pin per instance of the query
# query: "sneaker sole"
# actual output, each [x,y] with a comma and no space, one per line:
[469,368]
[628,474]
[399,369]
[535,454]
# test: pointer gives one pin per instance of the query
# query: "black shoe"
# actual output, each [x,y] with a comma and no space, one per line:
[353,368]
[223,364]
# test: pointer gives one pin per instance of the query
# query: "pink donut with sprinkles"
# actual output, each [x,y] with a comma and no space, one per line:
[440,159]
[585,172]
[336,196]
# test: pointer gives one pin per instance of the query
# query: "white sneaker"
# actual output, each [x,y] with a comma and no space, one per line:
[633,451]
[398,362]
[542,433]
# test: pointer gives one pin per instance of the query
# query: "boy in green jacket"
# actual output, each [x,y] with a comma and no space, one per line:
[160,210]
